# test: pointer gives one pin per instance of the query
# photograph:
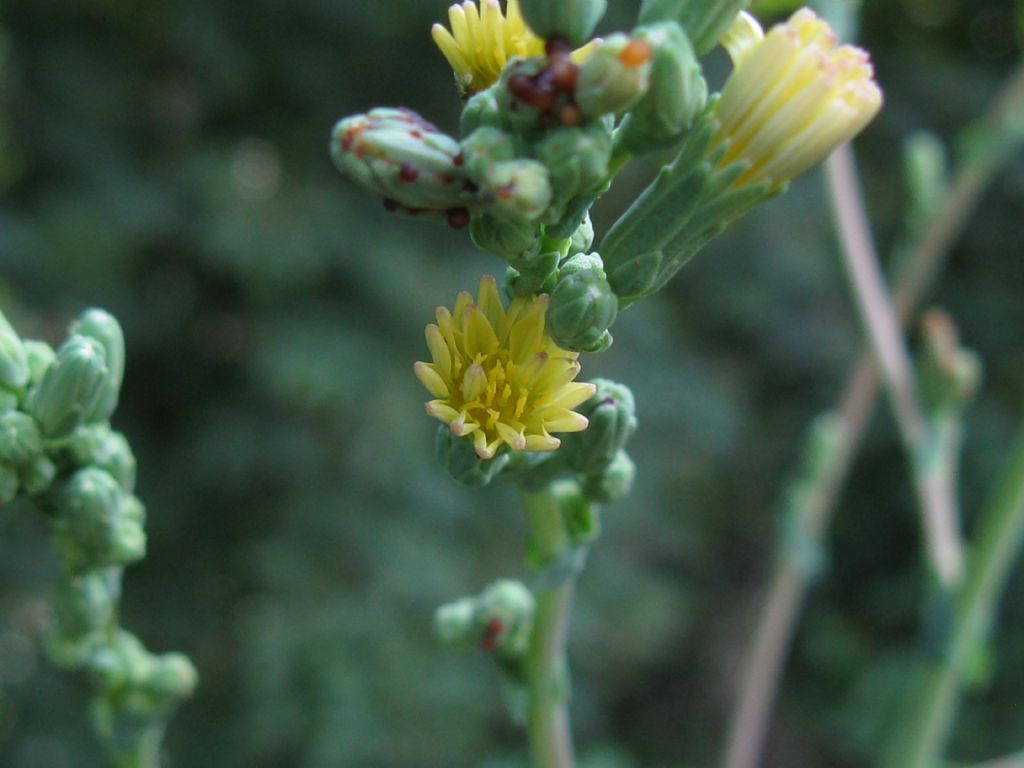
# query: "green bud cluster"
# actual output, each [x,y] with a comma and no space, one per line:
[498,620]
[58,450]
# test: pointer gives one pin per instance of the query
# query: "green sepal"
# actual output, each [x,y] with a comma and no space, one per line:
[400,156]
[73,390]
[457,455]
[676,95]
[14,370]
[570,20]
[532,275]
[97,523]
[609,82]
[583,238]
[583,305]
[582,519]
[704,21]
[104,328]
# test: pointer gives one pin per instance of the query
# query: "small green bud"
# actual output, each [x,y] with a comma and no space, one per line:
[485,147]
[583,237]
[533,274]
[73,388]
[583,306]
[614,482]
[517,190]
[570,20]
[505,616]
[172,678]
[455,624]
[8,401]
[481,110]
[510,241]
[576,159]
[612,415]
[20,439]
[615,76]
[13,360]
[85,604]
[676,95]
[104,328]
[704,21]
[398,155]
[40,357]
[457,455]
[38,475]
[8,483]
[100,446]
[98,524]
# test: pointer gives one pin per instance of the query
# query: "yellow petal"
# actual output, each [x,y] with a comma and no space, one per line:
[480,338]
[442,411]
[439,351]
[489,302]
[566,421]
[429,377]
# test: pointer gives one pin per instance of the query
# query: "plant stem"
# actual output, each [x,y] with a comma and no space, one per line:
[939,516]
[789,582]
[999,540]
[546,667]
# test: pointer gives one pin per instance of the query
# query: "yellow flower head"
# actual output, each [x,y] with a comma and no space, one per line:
[497,375]
[482,40]
[793,97]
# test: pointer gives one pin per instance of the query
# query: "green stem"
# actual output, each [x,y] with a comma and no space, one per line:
[546,668]
[1000,537]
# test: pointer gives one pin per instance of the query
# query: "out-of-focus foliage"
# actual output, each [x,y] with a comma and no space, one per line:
[167,160]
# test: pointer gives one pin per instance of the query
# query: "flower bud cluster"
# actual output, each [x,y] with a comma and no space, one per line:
[498,620]
[58,450]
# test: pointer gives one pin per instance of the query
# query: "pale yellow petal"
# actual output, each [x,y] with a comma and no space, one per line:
[431,379]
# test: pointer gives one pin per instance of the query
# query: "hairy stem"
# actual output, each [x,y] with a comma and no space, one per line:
[789,583]
[546,667]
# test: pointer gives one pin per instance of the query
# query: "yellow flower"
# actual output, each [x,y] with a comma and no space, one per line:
[482,40]
[497,375]
[793,97]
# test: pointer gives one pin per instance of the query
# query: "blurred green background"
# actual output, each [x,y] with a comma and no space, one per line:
[167,160]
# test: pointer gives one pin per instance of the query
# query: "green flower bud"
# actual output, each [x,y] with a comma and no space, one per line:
[38,475]
[481,110]
[139,682]
[398,155]
[570,20]
[104,328]
[13,360]
[485,147]
[8,483]
[73,389]
[576,159]
[98,445]
[457,455]
[614,482]
[171,678]
[98,524]
[455,624]
[583,237]
[612,415]
[20,440]
[582,517]
[517,190]
[676,95]
[615,76]
[704,21]
[533,274]
[8,401]
[583,306]
[40,357]
[510,241]
[505,616]
[84,604]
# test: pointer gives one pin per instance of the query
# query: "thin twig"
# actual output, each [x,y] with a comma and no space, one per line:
[789,583]
[938,505]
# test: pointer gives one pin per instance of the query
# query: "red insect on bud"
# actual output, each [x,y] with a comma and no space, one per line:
[492,631]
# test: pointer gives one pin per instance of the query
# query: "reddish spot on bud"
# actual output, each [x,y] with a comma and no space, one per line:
[458,218]
[564,74]
[416,134]
[490,637]
[408,172]
[571,115]
[459,160]
[347,140]
[557,48]
[520,86]
[636,53]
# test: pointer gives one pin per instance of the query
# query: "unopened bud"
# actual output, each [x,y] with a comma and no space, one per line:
[612,415]
[570,20]
[517,190]
[40,357]
[20,439]
[398,155]
[676,95]
[84,604]
[614,482]
[13,360]
[576,159]
[505,616]
[73,388]
[104,328]
[583,238]
[455,624]
[583,306]
[100,446]
[510,241]
[615,76]
[704,21]
[481,110]
[38,475]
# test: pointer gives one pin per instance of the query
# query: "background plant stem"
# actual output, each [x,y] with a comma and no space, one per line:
[547,671]
[790,580]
